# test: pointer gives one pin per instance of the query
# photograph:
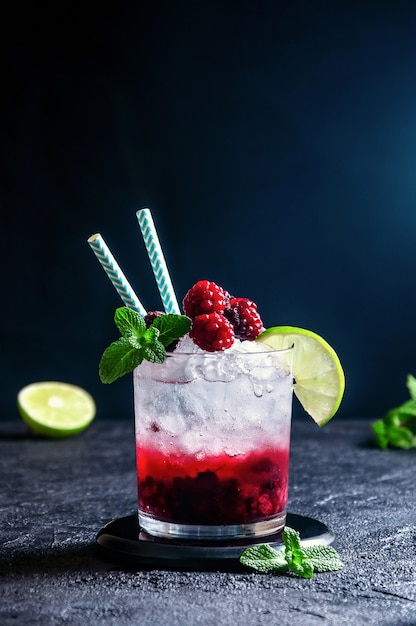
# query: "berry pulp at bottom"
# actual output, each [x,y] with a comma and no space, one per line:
[218,489]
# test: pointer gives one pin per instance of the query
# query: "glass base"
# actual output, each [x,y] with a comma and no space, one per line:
[169,530]
[121,540]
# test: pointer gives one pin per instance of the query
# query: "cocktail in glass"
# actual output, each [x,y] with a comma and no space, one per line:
[212,443]
[212,424]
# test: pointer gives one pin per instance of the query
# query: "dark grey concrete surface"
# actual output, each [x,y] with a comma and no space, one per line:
[56,495]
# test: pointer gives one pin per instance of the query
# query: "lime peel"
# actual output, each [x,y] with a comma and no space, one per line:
[317,370]
[56,409]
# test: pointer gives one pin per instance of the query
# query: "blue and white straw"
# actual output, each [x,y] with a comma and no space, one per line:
[157,261]
[114,273]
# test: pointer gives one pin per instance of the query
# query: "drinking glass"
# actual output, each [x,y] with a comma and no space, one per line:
[212,444]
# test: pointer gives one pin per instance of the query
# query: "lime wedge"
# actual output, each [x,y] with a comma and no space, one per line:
[319,377]
[55,409]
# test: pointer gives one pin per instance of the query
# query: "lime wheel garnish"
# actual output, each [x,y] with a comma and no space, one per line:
[319,380]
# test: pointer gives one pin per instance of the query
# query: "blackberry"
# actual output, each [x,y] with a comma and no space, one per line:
[242,314]
[151,316]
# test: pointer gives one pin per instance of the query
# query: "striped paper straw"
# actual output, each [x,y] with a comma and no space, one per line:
[114,273]
[157,261]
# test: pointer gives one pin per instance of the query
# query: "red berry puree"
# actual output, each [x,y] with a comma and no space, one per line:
[221,489]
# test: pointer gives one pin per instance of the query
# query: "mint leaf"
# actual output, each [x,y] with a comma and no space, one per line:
[302,561]
[171,327]
[406,409]
[400,437]
[380,431]
[153,349]
[264,558]
[295,554]
[129,322]
[323,558]
[119,359]
[397,428]
[411,385]
[393,434]
[138,342]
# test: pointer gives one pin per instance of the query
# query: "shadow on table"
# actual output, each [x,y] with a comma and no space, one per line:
[82,559]
[17,432]
[368,443]
[83,562]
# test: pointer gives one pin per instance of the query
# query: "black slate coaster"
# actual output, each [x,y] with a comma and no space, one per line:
[122,540]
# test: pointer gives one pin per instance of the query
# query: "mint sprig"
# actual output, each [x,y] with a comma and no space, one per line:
[302,561]
[137,342]
[397,429]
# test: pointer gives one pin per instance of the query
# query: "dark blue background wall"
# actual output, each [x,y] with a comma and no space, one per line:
[276,145]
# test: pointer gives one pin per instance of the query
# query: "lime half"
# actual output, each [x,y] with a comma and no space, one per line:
[319,377]
[55,409]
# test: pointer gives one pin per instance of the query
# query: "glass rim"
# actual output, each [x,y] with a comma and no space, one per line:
[230,353]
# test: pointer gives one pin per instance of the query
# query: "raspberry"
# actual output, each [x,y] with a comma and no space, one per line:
[242,313]
[265,505]
[212,332]
[204,297]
